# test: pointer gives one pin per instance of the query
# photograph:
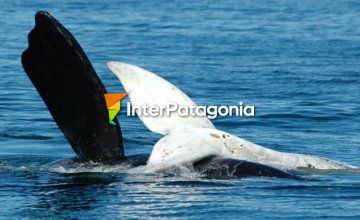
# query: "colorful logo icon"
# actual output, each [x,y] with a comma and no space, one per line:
[113,104]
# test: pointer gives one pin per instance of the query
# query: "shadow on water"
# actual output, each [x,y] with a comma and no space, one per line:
[67,194]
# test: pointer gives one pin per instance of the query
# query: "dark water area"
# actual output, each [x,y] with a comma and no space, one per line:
[298,62]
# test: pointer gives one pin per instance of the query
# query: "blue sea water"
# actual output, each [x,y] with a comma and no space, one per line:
[298,62]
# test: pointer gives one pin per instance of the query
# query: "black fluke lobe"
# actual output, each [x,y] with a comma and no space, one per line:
[72,91]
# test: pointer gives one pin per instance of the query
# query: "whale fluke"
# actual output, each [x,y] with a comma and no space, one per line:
[72,91]
[188,139]
[147,88]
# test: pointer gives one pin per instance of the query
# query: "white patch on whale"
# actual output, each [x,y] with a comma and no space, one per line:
[146,88]
[189,139]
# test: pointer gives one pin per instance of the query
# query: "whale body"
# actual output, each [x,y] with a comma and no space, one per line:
[74,95]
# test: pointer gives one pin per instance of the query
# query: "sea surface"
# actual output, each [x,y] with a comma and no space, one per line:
[298,62]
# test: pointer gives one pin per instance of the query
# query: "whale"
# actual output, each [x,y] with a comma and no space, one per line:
[73,93]
[188,138]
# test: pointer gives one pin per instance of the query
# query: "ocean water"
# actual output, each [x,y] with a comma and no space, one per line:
[298,62]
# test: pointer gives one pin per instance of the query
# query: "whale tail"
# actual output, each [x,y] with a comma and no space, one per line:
[72,91]
[186,139]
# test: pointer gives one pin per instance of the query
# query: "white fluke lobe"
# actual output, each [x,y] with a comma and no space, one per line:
[146,88]
[189,139]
